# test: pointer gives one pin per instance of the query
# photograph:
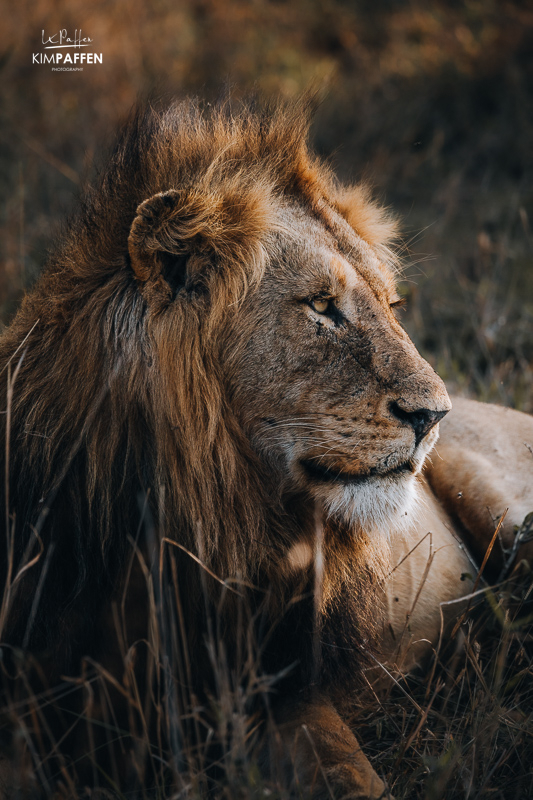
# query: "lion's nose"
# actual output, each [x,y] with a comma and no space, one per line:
[422,420]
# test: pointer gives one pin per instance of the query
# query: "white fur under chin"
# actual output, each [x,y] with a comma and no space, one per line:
[380,503]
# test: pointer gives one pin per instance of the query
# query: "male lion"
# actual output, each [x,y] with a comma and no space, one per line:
[215,431]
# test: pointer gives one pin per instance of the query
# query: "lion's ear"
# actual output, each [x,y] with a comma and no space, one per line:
[177,233]
[159,243]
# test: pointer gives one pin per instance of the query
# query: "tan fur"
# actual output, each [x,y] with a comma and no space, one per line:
[172,350]
[481,468]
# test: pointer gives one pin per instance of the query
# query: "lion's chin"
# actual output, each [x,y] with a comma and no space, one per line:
[381,503]
[374,501]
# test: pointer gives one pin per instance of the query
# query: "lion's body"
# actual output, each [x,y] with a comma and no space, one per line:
[215,435]
[474,478]
[491,449]
[426,564]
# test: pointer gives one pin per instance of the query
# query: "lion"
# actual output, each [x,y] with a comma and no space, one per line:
[217,450]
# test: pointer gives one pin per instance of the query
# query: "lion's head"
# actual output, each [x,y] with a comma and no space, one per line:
[297,287]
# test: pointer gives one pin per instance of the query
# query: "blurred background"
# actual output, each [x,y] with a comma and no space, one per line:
[432,102]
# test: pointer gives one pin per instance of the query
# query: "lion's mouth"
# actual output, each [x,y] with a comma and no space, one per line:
[319,472]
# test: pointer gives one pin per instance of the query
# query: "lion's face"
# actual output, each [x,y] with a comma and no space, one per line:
[329,388]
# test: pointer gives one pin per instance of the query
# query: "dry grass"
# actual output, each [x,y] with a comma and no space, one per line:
[461,727]
[464,729]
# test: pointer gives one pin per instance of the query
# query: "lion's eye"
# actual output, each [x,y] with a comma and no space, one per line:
[322,305]
[400,303]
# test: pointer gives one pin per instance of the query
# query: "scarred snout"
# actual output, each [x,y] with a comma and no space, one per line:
[414,395]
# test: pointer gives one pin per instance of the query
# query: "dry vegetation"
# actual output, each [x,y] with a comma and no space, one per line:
[433,102]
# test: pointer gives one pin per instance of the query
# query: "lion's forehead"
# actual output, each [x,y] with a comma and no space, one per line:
[364,270]
[357,261]
[337,252]
[322,268]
